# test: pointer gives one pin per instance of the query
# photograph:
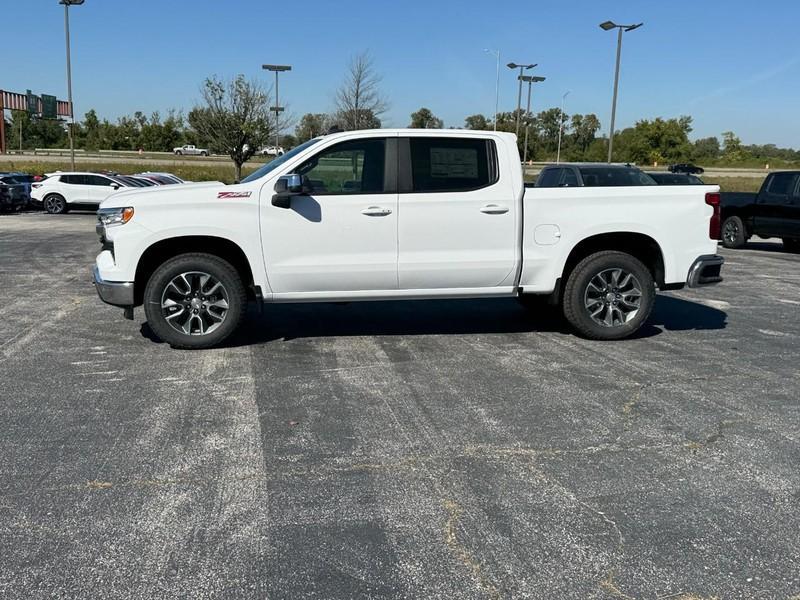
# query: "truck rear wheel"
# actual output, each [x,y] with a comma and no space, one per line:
[608,295]
[734,234]
[194,301]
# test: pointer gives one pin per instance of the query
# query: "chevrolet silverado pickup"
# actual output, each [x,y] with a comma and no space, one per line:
[773,212]
[400,214]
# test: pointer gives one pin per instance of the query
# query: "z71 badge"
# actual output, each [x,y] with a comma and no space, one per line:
[234,194]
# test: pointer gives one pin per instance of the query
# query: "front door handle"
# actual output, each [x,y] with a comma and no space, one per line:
[494,209]
[376,211]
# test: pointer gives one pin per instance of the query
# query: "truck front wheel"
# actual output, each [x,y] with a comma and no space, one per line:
[608,295]
[194,301]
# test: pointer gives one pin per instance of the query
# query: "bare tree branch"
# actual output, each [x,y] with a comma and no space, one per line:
[359,101]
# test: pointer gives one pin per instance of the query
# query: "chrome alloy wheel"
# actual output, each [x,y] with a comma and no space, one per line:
[731,233]
[613,297]
[54,204]
[194,303]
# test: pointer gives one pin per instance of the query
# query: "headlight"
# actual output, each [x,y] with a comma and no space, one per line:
[114,216]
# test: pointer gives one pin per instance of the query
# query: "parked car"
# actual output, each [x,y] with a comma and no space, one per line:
[25,178]
[190,150]
[13,194]
[667,178]
[591,175]
[156,179]
[272,151]
[773,212]
[687,168]
[62,191]
[168,176]
[427,214]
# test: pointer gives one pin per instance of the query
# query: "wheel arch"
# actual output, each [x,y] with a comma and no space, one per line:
[159,252]
[638,245]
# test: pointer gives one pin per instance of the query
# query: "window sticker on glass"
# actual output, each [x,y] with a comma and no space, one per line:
[454,163]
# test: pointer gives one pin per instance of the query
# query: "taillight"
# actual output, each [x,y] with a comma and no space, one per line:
[714,229]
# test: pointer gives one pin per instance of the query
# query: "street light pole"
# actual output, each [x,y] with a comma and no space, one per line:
[496,54]
[522,68]
[70,129]
[561,126]
[277,108]
[608,26]
[530,80]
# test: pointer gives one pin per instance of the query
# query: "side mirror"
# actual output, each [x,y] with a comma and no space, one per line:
[286,187]
[114,186]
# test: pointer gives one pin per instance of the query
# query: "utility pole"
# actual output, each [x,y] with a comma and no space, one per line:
[521,68]
[530,79]
[277,108]
[561,126]
[70,129]
[496,54]
[608,26]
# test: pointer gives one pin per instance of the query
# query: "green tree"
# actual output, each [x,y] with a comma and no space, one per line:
[706,149]
[235,116]
[311,125]
[477,122]
[659,140]
[732,148]
[425,119]
[584,129]
[548,124]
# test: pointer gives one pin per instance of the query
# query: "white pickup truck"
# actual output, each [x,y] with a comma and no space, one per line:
[400,214]
[190,150]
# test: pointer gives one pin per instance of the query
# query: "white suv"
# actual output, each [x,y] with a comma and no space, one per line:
[61,191]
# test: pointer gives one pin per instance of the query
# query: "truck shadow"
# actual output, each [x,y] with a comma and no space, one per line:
[442,317]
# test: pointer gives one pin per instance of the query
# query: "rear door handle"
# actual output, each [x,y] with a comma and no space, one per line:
[494,209]
[376,211]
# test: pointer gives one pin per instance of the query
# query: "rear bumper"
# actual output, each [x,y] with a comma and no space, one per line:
[706,270]
[116,293]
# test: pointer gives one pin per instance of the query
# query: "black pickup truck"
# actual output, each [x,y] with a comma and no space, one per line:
[773,212]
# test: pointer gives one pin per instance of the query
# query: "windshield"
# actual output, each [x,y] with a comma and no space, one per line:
[277,162]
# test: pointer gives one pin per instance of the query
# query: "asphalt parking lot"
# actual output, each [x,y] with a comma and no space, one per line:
[451,449]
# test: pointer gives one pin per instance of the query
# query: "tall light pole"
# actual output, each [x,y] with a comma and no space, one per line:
[67,4]
[608,26]
[521,68]
[531,79]
[561,126]
[277,108]
[496,54]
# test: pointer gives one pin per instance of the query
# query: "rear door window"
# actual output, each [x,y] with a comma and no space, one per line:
[451,164]
[568,178]
[780,184]
[549,178]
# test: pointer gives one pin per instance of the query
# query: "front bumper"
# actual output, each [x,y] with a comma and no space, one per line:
[706,270]
[116,293]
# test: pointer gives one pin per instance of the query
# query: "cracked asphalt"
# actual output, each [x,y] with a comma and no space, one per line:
[450,449]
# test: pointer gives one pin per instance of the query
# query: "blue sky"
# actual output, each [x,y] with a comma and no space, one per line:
[731,64]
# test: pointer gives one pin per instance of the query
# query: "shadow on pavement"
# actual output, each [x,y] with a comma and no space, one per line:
[440,317]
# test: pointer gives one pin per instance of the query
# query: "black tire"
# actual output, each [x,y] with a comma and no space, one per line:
[576,296]
[204,154]
[734,234]
[54,204]
[194,263]
[178,153]
[791,244]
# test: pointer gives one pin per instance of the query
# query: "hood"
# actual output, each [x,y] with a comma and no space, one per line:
[183,192]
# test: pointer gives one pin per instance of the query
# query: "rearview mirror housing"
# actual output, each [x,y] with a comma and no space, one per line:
[286,187]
